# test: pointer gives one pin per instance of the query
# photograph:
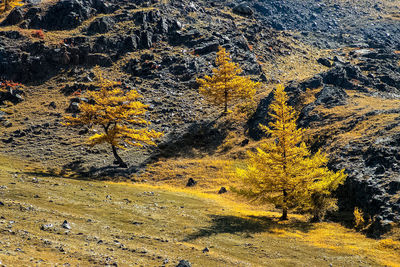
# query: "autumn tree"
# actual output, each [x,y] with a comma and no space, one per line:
[226,85]
[283,171]
[9,4]
[118,113]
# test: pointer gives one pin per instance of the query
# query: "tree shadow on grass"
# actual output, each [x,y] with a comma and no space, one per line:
[77,170]
[221,224]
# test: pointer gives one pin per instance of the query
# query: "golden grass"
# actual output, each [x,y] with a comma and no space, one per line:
[330,236]
[300,64]
[234,230]
[211,173]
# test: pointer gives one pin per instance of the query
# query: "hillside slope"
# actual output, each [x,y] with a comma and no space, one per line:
[344,52]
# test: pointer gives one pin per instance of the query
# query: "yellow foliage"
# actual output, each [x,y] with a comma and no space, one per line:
[118,113]
[226,85]
[283,171]
[358,218]
[9,4]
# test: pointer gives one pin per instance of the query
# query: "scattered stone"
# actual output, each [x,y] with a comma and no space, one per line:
[66,225]
[205,250]
[184,263]
[7,124]
[191,182]
[325,62]
[73,107]
[222,190]
[53,104]
[46,227]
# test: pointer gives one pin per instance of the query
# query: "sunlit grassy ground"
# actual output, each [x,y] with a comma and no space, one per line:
[142,224]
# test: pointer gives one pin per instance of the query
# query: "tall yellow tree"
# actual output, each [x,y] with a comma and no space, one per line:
[9,4]
[283,171]
[119,114]
[225,84]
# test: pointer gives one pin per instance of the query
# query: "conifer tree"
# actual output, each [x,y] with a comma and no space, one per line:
[117,113]
[9,4]
[226,85]
[283,171]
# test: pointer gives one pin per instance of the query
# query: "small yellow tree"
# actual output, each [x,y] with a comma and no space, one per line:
[226,85]
[9,4]
[118,113]
[282,171]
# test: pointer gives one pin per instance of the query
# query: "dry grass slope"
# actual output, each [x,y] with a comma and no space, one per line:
[139,224]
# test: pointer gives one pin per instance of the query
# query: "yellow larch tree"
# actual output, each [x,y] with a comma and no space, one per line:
[225,84]
[119,114]
[9,4]
[283,171]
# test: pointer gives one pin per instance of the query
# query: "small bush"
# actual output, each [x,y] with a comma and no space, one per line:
[38,34]
[359,221]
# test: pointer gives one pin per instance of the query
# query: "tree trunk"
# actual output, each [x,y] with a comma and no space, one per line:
[226,102]
[120,162]
[284,216]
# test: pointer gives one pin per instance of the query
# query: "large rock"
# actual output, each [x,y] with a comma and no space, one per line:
[100,25]
[243,9]
[331,96]
[68,14]
[146,38]
[15,17]
[207,48]
[98,59]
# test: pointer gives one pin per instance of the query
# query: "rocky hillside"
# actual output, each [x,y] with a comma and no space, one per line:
[339,60]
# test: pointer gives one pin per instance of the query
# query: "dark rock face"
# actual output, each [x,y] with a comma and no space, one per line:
[100,25]
[207,48]
[15,17]
[146,39]
[331,96]
[66,14]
